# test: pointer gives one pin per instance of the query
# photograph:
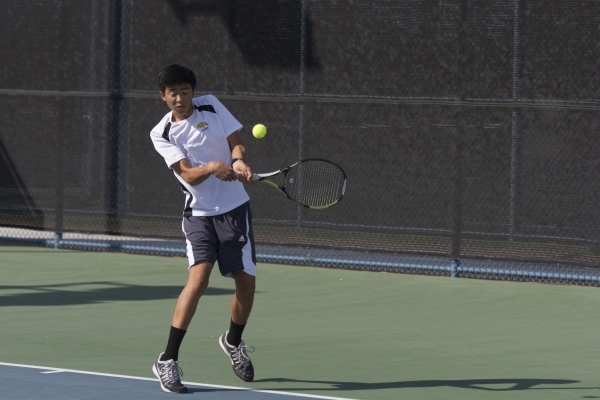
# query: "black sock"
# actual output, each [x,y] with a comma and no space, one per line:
[234,337]
[175,338]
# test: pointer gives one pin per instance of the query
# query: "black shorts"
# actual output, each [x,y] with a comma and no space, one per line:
[226,238]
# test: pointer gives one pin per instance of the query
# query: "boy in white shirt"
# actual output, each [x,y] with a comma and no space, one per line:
[200,141]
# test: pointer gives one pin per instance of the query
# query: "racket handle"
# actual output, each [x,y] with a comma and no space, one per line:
[255,176]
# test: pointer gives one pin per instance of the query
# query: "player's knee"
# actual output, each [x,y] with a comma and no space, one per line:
[245,291]
[198,278]
[197,287]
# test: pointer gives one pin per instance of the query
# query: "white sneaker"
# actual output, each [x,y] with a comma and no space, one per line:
[242,366]
[168,373]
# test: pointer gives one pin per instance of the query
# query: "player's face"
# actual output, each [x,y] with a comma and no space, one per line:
[179,99]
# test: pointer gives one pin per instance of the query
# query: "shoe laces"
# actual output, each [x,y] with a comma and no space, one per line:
[171,371]
[240,354]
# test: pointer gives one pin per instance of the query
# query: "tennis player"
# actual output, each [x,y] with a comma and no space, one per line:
[200,141]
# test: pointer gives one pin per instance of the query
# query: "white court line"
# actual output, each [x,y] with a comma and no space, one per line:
[139,378]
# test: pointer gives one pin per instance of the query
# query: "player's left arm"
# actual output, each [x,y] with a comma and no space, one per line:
[238,150]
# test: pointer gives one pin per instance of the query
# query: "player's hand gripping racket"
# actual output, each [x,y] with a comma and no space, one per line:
[314,183]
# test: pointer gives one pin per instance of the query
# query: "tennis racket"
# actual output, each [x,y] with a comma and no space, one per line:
[313,183]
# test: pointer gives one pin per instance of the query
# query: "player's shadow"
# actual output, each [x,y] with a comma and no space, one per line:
[91,293]
[495,385]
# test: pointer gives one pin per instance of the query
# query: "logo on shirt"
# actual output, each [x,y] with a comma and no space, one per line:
[202,126]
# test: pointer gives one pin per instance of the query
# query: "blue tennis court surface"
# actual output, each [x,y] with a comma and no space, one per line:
[34,382]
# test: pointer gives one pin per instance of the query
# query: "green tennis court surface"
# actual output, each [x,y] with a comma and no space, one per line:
[337,333]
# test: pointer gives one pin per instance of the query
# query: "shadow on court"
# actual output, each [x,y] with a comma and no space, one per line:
[503,385]
[90,293]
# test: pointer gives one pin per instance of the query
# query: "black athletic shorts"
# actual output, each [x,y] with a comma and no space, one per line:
[225,238]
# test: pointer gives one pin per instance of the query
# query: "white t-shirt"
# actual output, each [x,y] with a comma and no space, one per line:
[200,139]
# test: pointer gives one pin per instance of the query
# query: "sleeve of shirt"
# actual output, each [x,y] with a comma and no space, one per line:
[170,152]
[230,124]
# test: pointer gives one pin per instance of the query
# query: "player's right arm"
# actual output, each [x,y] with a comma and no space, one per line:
[196,175]
[176,160]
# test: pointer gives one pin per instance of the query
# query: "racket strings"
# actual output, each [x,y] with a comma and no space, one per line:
[316,183]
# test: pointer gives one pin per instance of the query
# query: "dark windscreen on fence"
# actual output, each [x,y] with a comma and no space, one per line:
[468,129]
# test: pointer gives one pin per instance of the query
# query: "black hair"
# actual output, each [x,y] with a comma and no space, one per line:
[175,75]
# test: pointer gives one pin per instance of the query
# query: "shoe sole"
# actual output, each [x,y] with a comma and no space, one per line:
[222,344]
[161,385]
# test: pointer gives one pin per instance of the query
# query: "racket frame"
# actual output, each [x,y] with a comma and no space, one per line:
[284,171]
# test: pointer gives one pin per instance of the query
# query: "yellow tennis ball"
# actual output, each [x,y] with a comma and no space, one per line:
[259,131]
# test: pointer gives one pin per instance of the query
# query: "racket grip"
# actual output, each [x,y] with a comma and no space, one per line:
[255,176]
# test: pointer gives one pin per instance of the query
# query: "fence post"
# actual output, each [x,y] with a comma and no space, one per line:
[114,176]
[59,143]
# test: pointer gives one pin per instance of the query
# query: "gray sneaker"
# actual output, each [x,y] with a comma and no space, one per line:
[168,373]
[242,366]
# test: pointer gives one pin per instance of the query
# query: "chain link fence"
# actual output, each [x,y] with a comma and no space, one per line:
[468,129]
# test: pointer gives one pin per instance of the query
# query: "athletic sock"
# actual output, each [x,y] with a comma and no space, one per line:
[175,338]
[234,337]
